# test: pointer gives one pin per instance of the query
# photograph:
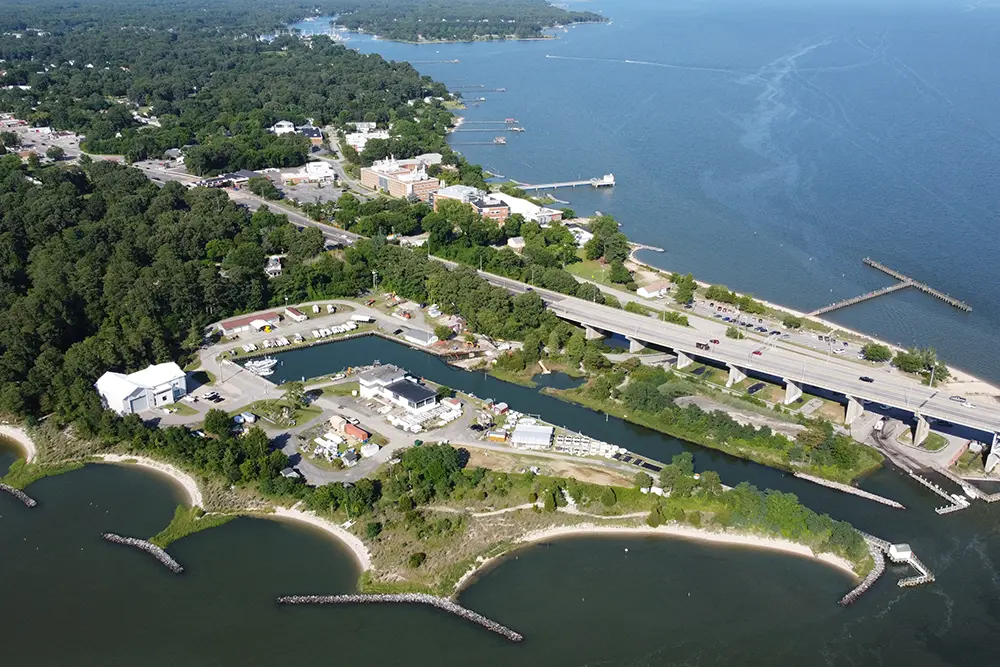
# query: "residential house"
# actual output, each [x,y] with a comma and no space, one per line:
[516,244]
[654,290]
[580,235]
[283,127]
[419,337]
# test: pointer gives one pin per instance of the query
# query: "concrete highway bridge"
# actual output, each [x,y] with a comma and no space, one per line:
[795,369]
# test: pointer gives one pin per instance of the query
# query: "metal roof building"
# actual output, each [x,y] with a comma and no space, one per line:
[531,436]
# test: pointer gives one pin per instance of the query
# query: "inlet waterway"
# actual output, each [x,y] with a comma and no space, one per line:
[661,602]
[770,146]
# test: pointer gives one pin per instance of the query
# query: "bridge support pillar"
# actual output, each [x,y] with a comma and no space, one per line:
[993,458]
[793,392]
[920,431]
[683,361]
[635,346]
[590,333]
[855,409]
[735,375]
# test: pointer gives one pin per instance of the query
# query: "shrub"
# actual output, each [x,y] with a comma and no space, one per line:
[416,560]
[608,497]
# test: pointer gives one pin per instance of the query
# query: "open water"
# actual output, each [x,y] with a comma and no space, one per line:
[771,146]
[577,601]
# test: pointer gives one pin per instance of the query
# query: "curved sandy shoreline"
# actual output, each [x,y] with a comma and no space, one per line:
[20,436]
[686,532]
[185,480]
[345,537]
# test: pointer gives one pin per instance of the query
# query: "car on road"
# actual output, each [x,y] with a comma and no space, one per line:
[727,319]
[865,378]
[397,332]
[968,405]
[958,399]
[714,341]
[758,352]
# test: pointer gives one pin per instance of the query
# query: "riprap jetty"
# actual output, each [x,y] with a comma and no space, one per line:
[19,494]
[407,598]
[143,545]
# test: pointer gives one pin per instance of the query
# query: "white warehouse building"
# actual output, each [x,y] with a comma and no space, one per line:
[389,383]
[531,436]
[156,385]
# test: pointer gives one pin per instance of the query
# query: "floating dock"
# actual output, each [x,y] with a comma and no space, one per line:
[897,553]
[904,282]
[606,181]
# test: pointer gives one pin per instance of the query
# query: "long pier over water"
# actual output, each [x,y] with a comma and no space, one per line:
[904,282]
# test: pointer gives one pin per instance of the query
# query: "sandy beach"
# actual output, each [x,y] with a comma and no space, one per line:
[21,437]
[350,540]
[179,476]
[685,532]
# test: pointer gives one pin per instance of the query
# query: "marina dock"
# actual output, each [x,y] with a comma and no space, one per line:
[904,282]
[897,553]
[608,180]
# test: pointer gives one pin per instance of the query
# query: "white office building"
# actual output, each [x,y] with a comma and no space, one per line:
[159,384]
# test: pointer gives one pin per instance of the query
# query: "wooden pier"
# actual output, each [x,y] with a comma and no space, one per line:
[904,282]
[608,180]
[950,300]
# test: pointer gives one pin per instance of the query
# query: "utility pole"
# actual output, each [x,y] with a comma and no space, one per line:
[374,279]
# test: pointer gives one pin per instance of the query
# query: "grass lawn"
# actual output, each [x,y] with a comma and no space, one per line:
[343,389]
[590,269]
[183,409]
[186,521]
[934,442]
[21,473]
[271,413]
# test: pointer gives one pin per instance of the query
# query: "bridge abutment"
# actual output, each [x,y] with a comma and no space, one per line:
[921,430]
[635,345]
[590,333]
[993,458]
[793,392]
[735,375]
[855,409]
[683,361]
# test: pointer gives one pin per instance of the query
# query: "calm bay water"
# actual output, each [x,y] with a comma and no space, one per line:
[578,601]
[771,146]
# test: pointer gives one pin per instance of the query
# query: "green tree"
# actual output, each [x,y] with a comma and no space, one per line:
[263,187]
[792,322]
[549,503]
[876,352]
[373,529]
[55,153]
[619,274]
[608,497]
[733,332]
[218,422]
[10,139]
[443,332]
[642,480]
[295,394]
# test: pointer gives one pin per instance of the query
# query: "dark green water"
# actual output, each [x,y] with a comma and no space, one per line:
[70,598]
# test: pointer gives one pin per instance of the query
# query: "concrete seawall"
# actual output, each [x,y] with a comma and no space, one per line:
[407,598]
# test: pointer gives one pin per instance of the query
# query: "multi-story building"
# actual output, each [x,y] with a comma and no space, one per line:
[484,204]
[399,180]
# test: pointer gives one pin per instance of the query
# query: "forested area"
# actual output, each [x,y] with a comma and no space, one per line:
[206,79]
[648,397]
[459,20]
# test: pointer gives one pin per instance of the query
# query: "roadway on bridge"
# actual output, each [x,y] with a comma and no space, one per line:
[833,374]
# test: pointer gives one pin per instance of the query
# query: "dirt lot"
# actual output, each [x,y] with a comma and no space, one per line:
[517,462]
